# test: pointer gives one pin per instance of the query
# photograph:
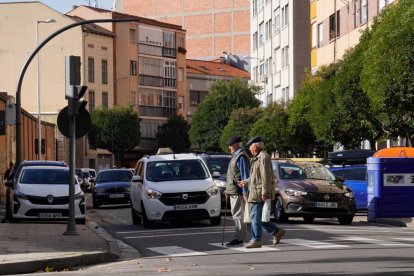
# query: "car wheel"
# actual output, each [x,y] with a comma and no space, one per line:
[308,219]
[146,223]
[215,220]
[346,219]
[95,204]
[80,221]
[279,213]
[135,219]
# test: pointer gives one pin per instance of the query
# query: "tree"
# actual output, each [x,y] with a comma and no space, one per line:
[213,113]
[240,123]
[174,134]
[388,73]
[116,130]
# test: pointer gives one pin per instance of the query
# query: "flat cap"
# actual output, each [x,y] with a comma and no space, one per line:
[233,139]
[255,139]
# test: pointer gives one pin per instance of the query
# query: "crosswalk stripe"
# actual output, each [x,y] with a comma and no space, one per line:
[176,251]
[179,234]
[243,249]
[313,244]
[371,241]
[405,239]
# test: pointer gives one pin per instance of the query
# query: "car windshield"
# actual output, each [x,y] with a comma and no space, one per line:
[304,171]
[218,164]
[44,176]
[158,171]
[114,176]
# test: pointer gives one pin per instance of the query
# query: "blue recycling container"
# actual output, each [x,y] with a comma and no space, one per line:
[390,187]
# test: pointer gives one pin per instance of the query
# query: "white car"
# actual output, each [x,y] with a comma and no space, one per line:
[42,193]
[172,187]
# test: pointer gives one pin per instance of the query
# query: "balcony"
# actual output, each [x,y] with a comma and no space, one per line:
[151,81]
[155,111]
[150,50]
[169,52]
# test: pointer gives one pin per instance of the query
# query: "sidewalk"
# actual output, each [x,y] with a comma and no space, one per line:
[31,247]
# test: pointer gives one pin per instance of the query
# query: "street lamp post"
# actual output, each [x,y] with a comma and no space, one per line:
[39,122]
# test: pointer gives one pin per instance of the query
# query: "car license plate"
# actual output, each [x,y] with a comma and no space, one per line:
[186,207]
[116,195]
[327,204]
[50,215]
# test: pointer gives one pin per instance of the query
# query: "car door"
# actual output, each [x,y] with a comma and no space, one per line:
[136,186]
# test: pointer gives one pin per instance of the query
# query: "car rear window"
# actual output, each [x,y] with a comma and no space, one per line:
[45,176]
[112,176]
[351,174]
[218,165]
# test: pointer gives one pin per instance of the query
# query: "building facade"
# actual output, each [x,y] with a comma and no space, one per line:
[213,26]
[280,47]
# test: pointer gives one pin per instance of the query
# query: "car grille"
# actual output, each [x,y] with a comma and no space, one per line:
[36,212]
[186,215]
[324,197]
[43,200]
[171,199]
[116,190]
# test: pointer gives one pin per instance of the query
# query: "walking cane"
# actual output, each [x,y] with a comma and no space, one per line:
[224,223]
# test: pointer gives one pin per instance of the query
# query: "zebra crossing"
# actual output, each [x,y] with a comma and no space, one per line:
[338,242]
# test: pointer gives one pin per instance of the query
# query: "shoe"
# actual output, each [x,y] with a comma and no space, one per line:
[234,242]
[253,244]
[278,236]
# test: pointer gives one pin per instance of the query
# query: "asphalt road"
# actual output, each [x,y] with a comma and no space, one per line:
[194,248]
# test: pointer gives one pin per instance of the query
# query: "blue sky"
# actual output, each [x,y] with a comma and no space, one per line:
[64,6]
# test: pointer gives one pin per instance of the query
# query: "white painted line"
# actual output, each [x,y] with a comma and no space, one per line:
[243,249]
[172,230]
[180,234]
[405,239]
[176,251]
[313,244]
[371,241]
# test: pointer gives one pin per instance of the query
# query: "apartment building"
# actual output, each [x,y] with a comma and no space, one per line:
[213,26]
[201,75]
[280,47]
[149,72]
[336,26]
[91,42]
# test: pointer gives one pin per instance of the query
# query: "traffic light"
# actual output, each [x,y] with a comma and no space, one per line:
[76,104]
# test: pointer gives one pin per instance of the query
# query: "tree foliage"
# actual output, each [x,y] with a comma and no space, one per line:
[388,73]
[116,130]
[240,123]
[174,134]
[213,113]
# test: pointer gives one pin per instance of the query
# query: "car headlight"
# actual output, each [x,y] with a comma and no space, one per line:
[20,195]
[152,194]
[291,192]
[219,183]
[213,190]
[349,194]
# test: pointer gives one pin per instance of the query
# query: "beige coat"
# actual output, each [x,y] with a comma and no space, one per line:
[261,180]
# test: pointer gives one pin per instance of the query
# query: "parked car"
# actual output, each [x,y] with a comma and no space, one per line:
[26,163]
[310,190]
[217,165]
[172,187]
[111,186]
[42,193]
[84,178]
[350,166]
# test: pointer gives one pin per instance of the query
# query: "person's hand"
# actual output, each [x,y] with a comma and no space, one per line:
[240,184]
[245,197]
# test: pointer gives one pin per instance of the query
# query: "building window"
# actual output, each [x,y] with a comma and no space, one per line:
[103,48]
[277,60]
[196,97]
[277,20]
[158,98]
[91,101]
[320,35]
[361,12]
[169,73]
[91,70]
[254,4]
[132,36]
[105,99]
[133,98]
[180,103]
[285,94]
[261,33]
[169,40]
[255,41]
[314,35]
[180,74]
[181,42]
[91,46]
[285,15]
[285,56]
[383,3]
[132,67]
[334,23]
[104,71]
[268,29]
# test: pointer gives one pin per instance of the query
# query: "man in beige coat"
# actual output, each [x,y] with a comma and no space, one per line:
[261,187]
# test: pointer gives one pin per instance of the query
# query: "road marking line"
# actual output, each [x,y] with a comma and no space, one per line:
[405,239]
[371,241]
[313,244]
[181,234]
[243,249]
[169,230]
[176,251]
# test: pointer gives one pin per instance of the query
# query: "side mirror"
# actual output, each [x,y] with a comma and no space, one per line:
[216,174]
[9,183]
[136,179]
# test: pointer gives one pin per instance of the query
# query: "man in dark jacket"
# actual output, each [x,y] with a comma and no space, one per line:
[238,169]
[9,174]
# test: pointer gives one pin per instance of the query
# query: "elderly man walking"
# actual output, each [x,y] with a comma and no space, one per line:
[238,169]
[261,188]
